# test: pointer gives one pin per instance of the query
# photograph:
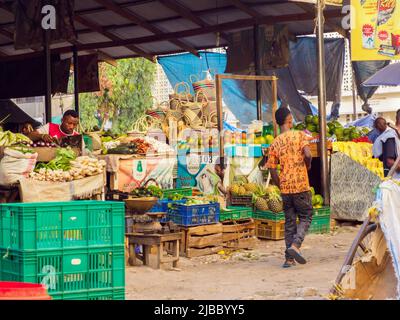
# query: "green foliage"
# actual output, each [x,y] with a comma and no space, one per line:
[125,95]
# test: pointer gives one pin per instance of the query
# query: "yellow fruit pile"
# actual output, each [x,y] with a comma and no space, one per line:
[360,152]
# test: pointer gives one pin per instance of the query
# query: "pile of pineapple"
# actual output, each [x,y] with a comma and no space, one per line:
[244,189]
[269,199]
[264,199]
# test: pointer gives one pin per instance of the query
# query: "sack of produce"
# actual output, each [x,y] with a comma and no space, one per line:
[16,165]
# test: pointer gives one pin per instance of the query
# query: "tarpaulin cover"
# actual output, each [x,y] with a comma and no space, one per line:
[388,76]
[301,75]
[179,68]
[27,78]
[363,70]
[367,121]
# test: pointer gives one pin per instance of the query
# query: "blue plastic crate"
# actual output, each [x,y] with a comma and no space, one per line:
[194,215]
[162,205]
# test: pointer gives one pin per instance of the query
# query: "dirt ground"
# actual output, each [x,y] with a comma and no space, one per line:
[250,275]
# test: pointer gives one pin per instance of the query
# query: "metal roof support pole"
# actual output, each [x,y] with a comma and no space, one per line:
[76,83]
[322,101]
[47,54]
[257,70]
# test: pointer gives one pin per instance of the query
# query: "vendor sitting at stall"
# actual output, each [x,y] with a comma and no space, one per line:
[51,131]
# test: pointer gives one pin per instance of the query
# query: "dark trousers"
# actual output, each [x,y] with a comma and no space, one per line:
[297,205]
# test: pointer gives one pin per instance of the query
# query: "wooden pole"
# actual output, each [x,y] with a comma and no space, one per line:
[257,71]
[218,84]
[47,55]
[322,101]
[76,79]
[274,104]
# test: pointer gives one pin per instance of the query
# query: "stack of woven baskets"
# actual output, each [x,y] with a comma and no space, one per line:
[197,111]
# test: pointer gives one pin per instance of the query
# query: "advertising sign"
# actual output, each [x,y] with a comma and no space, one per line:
[375,33]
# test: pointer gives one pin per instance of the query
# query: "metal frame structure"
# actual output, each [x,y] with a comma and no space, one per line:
[218,84]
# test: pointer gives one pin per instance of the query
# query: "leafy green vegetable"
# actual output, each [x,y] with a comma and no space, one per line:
[62,161]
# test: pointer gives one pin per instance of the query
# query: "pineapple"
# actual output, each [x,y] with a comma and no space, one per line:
[262,204]
[242,191]
[275,203]
[251,187]
[235,188]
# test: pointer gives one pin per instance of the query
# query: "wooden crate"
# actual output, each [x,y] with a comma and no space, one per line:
[201,240]
[239,234]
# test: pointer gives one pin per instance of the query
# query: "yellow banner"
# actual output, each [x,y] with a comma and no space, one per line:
[375,33]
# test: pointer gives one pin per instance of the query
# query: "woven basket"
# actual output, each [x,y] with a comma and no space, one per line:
[177,97]
[204,87]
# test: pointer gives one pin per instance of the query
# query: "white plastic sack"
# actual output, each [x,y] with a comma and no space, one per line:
[389,220]
[16,165]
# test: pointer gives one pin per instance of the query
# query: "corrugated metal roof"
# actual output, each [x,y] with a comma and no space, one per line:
[168,26]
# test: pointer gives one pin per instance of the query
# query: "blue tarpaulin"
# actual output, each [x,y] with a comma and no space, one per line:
[179,68]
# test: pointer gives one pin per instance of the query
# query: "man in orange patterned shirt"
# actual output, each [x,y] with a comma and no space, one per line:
[291,151]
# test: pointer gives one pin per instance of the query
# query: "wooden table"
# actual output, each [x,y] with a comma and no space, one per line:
[147,241]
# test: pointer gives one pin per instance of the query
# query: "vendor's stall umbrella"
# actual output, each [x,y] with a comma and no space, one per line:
[388,76]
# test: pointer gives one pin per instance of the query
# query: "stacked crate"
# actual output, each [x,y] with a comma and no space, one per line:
[76,249]
[271,226]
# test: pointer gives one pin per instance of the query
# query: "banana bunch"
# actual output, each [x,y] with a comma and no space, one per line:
[362,153]
[8,139]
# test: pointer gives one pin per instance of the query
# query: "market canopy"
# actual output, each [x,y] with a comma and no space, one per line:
[121,28]
[388,76]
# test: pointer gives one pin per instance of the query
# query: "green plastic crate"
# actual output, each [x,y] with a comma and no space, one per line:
[59,225]
[111,294]
[236,213]
[269,215]
[322,212]
[186,192]
[321,223]
[66,272]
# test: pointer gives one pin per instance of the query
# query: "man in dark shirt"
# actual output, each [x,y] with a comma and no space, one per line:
[389,148]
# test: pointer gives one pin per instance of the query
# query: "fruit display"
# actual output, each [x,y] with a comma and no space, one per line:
[361,153]
[317,199]
[243,189]
[7,138]
[274,199]
[136,146]
[150,191]
[67,168]
[334,128]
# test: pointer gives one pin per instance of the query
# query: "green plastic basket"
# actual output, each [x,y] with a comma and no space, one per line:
[269,215]
[320,225]
[60,225]
[322,212]
[73,272]
[186,192]
[111,294]
[236,213]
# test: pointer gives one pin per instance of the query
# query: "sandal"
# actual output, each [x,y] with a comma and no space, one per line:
[289,263]
[295,254]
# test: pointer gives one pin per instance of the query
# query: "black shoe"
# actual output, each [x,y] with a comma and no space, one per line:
[289,263]
[295,254]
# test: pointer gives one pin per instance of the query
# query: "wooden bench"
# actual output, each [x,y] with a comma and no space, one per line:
[147,241]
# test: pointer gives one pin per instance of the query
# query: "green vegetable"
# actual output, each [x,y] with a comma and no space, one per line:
[63,159]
